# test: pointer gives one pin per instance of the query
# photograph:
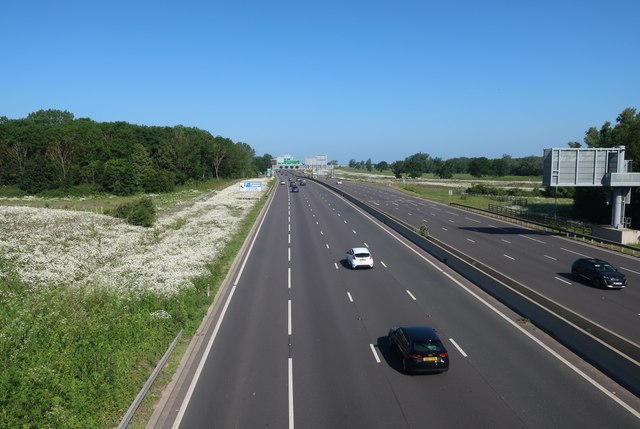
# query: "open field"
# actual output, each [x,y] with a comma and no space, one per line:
[89,303]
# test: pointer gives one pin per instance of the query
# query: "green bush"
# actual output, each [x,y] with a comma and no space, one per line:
[141,212]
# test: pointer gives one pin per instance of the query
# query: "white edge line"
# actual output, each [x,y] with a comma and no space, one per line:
[514,324]
[548,349]
[194,381]
[375,354]
[205,355]
[458,347]
[290,371]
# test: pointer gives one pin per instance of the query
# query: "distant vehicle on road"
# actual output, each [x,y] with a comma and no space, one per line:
[359,257]
[420,349]
[295,189]
[599,273]
[339,182]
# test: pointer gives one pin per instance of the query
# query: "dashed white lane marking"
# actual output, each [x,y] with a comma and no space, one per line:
[289,255]
[631,271]
[383,264]
[575,253]
[562,280]
[506,241]
[336,264]
[551,257]
[411,295]
[473,220]
[445,229]
[350,297]
[473,241]
[510,257]
[375,353]
[327,245]
[289,317]
[532,239]
[354,231]
[458,347]
[289,278]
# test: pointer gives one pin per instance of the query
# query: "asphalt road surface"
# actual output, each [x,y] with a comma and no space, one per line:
[300,340]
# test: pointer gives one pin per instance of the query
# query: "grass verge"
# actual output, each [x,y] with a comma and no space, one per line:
[77,357]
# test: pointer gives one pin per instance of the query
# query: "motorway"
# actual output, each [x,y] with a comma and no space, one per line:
[299,340]
[536,259]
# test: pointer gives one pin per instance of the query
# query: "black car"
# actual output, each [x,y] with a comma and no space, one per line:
[295,189]
[600,273]
[419,348]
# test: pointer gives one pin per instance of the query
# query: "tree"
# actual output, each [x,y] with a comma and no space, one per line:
[479,167]
[445,170]
[368,165]
[382,165]
[50,117]
[352,163]
[398,169]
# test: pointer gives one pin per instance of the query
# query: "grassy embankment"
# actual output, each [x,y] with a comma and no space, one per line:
[430,187]
[76,358]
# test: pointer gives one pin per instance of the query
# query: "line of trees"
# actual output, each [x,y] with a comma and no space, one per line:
[50,149]
[422,163]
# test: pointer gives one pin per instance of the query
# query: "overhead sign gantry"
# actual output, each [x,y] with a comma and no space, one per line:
[593,167]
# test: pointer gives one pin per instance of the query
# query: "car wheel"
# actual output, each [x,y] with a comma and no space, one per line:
[405,367]
[597,283]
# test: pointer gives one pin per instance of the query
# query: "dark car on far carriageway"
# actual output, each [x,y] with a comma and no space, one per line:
[599,273]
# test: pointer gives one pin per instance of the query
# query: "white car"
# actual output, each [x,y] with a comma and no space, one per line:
[359,257]
[339,182]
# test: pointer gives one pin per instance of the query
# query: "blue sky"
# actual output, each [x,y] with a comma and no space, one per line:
[349,79]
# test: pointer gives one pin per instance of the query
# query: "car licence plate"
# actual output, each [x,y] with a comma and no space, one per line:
[430,359]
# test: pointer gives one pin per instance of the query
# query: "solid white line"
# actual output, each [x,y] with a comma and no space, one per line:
[349,295]
[562,280]
[510,257]
[375,354]
[550,257]
[289,317]
[192,386]
[519,328]
[205,355]
[290,393]
[532,239]
[546,348]
[289,277]
[383,264]
[411,295]
[458,347]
